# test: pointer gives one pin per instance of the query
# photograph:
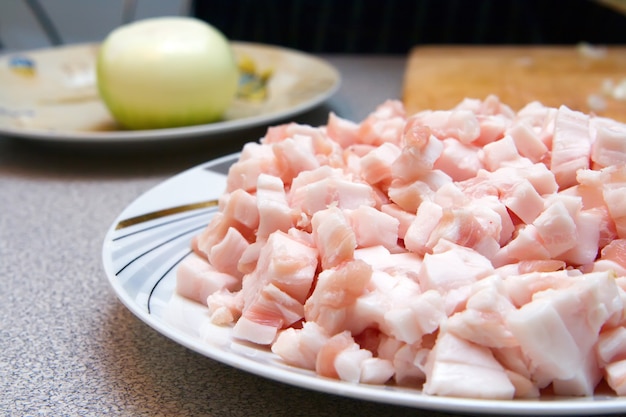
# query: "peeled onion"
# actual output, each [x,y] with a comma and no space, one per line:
[166,72]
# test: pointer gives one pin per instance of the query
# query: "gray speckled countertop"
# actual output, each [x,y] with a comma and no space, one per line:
[68,347]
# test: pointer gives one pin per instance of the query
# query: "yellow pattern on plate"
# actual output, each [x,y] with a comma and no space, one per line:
[60,102]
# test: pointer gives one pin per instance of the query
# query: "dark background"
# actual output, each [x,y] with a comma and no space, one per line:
[394,26]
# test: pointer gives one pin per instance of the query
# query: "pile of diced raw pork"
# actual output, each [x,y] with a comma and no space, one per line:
[472,252]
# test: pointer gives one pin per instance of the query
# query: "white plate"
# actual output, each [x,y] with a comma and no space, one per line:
[58,100]
[152,235]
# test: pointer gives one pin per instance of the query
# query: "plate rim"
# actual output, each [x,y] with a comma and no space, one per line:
[400,396]
[165,134]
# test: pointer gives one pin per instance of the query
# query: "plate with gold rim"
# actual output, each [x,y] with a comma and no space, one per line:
[148,239]
[51,94]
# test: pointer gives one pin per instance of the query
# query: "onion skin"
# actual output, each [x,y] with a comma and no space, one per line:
[166,72]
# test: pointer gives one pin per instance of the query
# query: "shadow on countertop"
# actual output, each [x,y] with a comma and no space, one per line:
[28,157]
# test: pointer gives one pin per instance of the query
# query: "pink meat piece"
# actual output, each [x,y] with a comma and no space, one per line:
[571,146]
[275,134]
[459,368]
[492,105]
[513,360]
[342,131]
[472,104]
[241,208]
[459,124]
[409,195]
[611,346]
[528,266]
[450,195]
[541,118]
[585,251]
[377,257]
[526,245]
[503,225]
[299,347]
[538,175]
[615,251]
[394,303]
[196,279]
[534,113]
[366,310]
[409,362]
[611,353]
[483,319]
[522,199]
[224,306]
[283,278]
[609,145]
[405,264]
[291,130]
[590,190]
[504,179]
[238,210]
[274,211]
[463,226]
[527,142]
[492,115]
[584,381]
[376,165]
[612,183]
[522,287]
[335,291]
[489,232]
[302,138]
[286,262]
[317,195]
[372,227]
[616,376]
[492,128]
[460,161]
[325,360]
[411,320]
[358,365]
[225,255]
[556,228]
[604,265]
[308,177]
[255,159]
[294,155]
[270,310]
[524,387]
[404,217]
[589,187]
[482,185]
[497,154]
[351,160]
[334,237]
[302,236]
[249,257]
[375,371]
[424,223]
[384,124]
[616,203]
[557,330]
[420,150]
[342,358]
[452,266]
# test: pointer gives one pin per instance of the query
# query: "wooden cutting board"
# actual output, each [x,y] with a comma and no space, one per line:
[440,77]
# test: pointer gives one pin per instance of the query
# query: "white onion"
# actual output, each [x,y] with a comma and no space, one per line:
[166,72]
